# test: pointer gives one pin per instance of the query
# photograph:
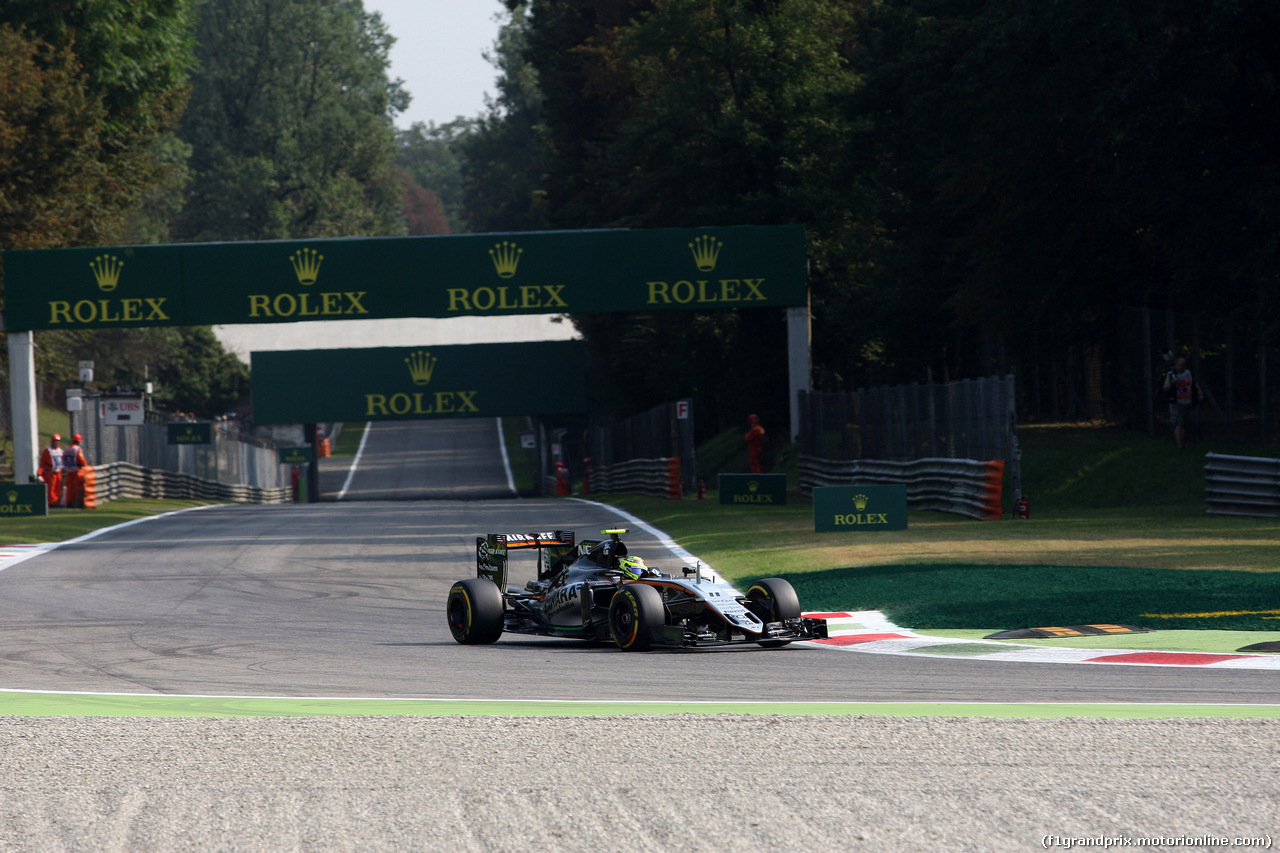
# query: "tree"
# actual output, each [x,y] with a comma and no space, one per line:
[200,376]
[687,113]
[49,140]
[82,159]
[423,210]
[290,123]
[91,94]
[431,156]
[1052,163]
[502,155]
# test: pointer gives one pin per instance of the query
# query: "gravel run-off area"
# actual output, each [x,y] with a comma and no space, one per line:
[635,783]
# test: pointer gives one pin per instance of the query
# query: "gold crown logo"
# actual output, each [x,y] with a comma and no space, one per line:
[306,265]
[706,250]
[421,366]
[752,485]
[860,501]
[13,496]
[506,257]
[106,270]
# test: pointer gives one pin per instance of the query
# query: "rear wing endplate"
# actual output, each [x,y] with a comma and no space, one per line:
[553,547]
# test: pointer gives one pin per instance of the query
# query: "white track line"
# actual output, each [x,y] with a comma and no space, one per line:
[29,551]
[506,461]
[354,462]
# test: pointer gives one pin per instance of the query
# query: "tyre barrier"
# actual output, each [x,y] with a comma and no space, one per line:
[966,487]
[658,478]
[1242,485]
[127,480]
[89,487]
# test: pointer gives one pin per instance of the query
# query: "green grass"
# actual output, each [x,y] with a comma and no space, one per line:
[1073,467]
[63,524]
[1118,533]
[960,595]
[348,441]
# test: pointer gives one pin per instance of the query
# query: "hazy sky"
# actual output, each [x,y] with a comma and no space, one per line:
[438,54]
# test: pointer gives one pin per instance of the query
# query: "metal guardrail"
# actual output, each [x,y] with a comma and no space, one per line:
[127,480]
[1242,485]
[233,457]
[962,486]
[659,478]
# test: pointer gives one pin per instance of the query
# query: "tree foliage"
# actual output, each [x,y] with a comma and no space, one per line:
[685,113]
[502,163]
[48,145]
[290,123]
[430,155]
[93,90]
[981,182]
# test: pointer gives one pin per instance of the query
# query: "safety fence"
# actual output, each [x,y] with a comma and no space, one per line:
[1242,485]
[127,480]
[232,457]
[962,486]
[968,419]
[663,432]
[659,478]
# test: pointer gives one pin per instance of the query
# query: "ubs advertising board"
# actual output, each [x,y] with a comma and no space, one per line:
[413,383]
[849,509]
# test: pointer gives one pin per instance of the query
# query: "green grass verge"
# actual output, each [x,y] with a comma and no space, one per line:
[14,703]
[948,572]
[63,524]
[953,595]
[1218,642]
[348,441]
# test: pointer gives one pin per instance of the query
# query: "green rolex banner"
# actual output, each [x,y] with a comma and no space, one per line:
[530,272]
[859,508]
[190,433]
[23,500]
[752,489]
[409,383]
[295,455]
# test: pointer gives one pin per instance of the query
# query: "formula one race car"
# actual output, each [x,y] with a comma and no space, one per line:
[594,590]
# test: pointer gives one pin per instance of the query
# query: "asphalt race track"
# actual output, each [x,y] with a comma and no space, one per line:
[346,599]
[155,642]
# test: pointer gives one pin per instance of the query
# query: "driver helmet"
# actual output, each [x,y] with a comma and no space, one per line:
[633,568]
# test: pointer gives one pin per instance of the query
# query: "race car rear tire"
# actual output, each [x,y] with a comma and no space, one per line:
[635,612]
[475,610]
[774,600]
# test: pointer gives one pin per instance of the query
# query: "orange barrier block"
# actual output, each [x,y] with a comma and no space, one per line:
[993,489]
[89,487]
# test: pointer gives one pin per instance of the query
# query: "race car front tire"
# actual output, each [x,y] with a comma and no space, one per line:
[635,613]
[774,600]
[475,610]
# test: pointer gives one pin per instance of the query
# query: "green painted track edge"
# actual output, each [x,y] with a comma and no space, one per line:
[41,704]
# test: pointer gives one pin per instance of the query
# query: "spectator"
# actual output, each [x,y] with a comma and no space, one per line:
[755,444]
[1184,393]
[51,469]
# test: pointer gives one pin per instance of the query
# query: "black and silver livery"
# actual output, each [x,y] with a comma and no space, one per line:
[596,590]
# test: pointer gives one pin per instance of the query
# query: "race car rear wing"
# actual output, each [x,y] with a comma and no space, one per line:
[555,547]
